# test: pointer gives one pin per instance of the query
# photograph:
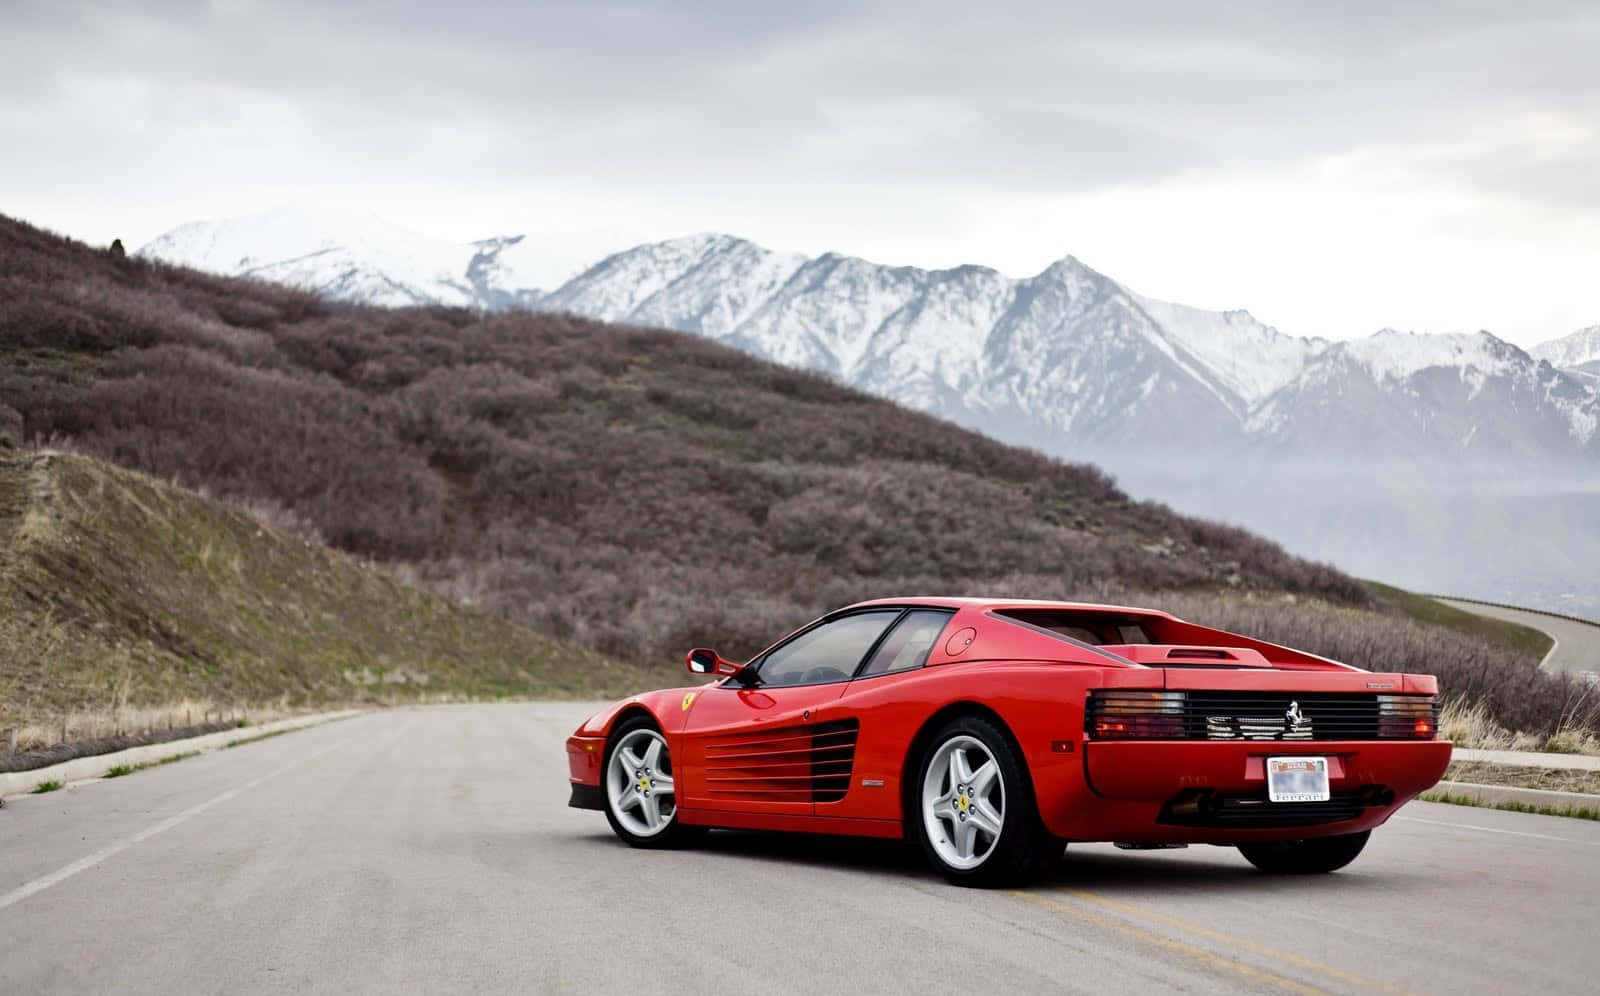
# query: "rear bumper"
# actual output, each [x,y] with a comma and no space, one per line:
[1155,770]
[1206,792]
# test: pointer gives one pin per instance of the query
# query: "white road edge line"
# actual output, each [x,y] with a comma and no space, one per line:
[1513,833]
[60,875]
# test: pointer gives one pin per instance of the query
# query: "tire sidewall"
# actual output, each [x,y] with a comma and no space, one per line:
[1312,856]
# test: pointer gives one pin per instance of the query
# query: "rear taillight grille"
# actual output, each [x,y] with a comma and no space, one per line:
[1258,716]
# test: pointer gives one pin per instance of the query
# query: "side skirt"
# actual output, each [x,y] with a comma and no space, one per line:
[800,824]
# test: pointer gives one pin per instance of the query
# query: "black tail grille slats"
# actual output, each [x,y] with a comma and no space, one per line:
[1208,715]
[1265,716]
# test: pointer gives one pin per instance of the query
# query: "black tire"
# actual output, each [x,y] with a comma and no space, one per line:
[674,834]
[1024,848]
[1315,856]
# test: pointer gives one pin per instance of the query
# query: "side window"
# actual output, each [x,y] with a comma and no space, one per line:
[909,643]
[829,652]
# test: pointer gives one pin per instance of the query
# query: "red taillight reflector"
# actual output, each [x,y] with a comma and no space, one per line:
[1407,717]
[1136,716]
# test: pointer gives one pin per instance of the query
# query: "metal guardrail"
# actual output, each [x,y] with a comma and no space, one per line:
[1519,608]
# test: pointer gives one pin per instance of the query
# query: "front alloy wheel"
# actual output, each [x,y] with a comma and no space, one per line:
[641,798]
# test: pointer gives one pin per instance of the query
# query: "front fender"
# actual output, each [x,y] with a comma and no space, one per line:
[586,747]
[668,707]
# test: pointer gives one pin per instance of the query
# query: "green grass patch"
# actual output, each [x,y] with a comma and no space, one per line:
[1430,610]
[49,786]
[117,586]
[128,769]
[1454,799]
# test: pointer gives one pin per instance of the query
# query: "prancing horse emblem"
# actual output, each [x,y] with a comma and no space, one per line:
[1293,718]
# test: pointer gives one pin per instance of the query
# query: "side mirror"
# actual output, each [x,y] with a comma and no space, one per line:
[703,660]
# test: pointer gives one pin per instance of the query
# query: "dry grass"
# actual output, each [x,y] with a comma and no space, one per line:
[1572,739]
[112,721]
[1550,779]
[127,604]
[1471,725]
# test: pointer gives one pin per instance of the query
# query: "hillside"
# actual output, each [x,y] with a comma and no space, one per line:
[117,589]
[637,491]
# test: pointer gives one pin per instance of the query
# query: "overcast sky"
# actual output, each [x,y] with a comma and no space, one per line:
[1332,167]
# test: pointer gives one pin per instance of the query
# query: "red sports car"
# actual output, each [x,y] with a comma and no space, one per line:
[993,731]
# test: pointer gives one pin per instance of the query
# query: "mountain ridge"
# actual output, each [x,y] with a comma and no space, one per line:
[1064,358]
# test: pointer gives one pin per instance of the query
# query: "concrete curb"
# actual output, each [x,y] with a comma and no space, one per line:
[1510,793]
[82,768]
[1528,759]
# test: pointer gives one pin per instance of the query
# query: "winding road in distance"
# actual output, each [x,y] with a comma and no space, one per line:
[432,850]
[1577,649]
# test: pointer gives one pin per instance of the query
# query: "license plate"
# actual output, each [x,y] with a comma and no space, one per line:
[1297,779]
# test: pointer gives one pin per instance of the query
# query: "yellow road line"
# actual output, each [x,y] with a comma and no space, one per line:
[1242,943]
[1172,944]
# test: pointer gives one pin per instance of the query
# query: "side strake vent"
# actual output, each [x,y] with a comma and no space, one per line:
[833,755]
[790,764]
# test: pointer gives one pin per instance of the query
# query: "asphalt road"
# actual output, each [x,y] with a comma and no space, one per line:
[432,850]
[1577,649]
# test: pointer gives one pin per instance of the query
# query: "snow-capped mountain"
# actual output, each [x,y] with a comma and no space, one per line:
[1394,390]
[1070,357]
[1578,353]
[352,258]
[1065,359]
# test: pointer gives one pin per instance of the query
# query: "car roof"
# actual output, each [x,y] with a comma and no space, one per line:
[964,602]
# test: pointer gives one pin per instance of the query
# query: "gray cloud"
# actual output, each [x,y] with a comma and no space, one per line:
[1071,97]
[902,116]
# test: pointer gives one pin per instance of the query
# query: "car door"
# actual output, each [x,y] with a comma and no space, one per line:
[886,703]
[766,749]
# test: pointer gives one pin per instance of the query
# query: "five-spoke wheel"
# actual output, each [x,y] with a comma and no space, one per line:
[974,806]
[963,802]
[641,799]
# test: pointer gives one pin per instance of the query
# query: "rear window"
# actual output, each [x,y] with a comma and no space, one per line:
[1094,628]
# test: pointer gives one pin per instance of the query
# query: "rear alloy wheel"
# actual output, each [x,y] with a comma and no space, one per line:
[1315,856]
[641,798]
[975,810]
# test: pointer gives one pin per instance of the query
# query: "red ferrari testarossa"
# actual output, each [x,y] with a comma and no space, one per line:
[993,731]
